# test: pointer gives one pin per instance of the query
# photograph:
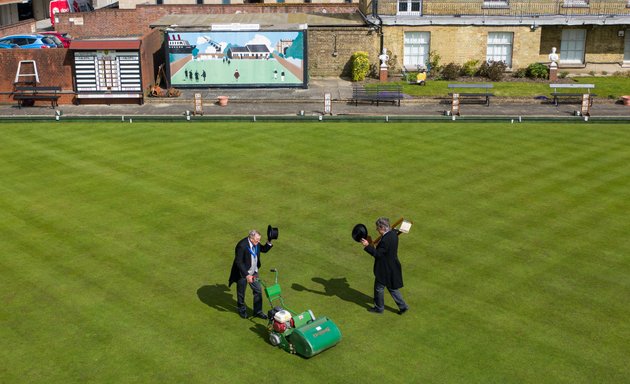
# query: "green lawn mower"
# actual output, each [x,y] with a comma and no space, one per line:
[301,334]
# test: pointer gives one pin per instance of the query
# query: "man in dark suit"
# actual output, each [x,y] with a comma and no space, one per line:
[245,271]
[387,269]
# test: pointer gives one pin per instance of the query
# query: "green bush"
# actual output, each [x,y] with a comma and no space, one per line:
[520,73]
[470,68]
[360,66]
[537,71]
[493,70]
[451,71]
[563,74]
[434,67]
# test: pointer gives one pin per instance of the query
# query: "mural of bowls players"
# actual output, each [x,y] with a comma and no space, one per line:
[236,59]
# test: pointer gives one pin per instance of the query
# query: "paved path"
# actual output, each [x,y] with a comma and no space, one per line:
[310,102]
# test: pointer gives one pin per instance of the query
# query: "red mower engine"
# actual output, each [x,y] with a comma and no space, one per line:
[282,321]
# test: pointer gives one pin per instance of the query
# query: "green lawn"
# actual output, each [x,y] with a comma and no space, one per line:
[116,241]
[612,87]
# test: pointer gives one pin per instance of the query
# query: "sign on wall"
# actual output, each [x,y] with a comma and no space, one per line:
[236,58]
[107,71]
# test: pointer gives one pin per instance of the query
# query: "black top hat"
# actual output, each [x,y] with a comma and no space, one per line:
[272,233]
[359,232]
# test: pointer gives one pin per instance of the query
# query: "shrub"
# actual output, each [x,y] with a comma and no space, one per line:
[493,70]
[451,71]
[537,71]
[520,73]
[433,66]
[360,66]
[470,68]
[392,63]
[563,74]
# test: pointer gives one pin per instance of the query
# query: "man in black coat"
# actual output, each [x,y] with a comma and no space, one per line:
[245,271]
[387,269]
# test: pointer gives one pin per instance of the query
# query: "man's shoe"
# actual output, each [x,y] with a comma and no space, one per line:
[243,315]
[374,310]
[261,315]
[402,311]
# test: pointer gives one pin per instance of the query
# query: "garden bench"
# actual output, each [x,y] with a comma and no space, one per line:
[27,95]
[378,93]
[571,95]
[484,94]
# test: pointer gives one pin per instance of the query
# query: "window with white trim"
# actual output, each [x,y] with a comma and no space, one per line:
[500,47]
[576,3]
[495,3]
[410,7]
[416,49]
[572,46]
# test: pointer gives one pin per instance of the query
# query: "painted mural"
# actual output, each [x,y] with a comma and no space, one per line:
[236,59]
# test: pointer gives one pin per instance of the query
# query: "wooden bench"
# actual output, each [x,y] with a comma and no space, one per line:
[27,95]
[571,95]
[378,93]
[484,94]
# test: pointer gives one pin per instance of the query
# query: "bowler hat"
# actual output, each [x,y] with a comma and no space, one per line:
[359,232]
[272,233]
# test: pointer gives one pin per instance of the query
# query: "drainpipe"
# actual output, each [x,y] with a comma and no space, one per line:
[379,26]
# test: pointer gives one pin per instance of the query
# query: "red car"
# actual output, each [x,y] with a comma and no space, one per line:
[63,37]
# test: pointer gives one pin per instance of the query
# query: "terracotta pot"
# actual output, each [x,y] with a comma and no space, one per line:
[223,100]
[626,100]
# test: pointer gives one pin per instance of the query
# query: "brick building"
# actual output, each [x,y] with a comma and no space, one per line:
[518,32]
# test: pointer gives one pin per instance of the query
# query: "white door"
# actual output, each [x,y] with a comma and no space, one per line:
[572,46]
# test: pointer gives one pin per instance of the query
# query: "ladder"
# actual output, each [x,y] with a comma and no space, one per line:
[27,63]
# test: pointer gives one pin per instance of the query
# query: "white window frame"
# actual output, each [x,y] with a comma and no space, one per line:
[500,46]
[575,3]
[416,48]
[496,3]
[409,7]
[572,46]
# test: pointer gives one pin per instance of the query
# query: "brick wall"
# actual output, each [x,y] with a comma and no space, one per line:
[135,22]
[603,45]
[22,27]
[151,56]
[322,43]
[54,67]
[459,44]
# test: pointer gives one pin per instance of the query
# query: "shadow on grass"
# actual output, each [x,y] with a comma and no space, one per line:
[217,296]
[341,288]
[260,330]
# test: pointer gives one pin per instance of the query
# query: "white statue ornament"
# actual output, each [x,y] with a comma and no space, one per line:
[384,57]
[553,57]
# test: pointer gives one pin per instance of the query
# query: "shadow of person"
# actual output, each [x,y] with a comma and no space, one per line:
[261,331]
[338,287]
[217,296]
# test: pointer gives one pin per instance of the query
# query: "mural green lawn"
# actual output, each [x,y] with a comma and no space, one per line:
[116,242]
[221,72]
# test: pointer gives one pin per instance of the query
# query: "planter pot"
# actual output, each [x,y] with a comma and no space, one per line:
[626,100]
[223,100]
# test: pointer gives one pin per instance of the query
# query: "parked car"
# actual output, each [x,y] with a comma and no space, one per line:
[63,37]
[29,41]
[8,46]
[58,42]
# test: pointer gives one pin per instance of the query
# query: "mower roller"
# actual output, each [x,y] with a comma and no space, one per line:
[302,333]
